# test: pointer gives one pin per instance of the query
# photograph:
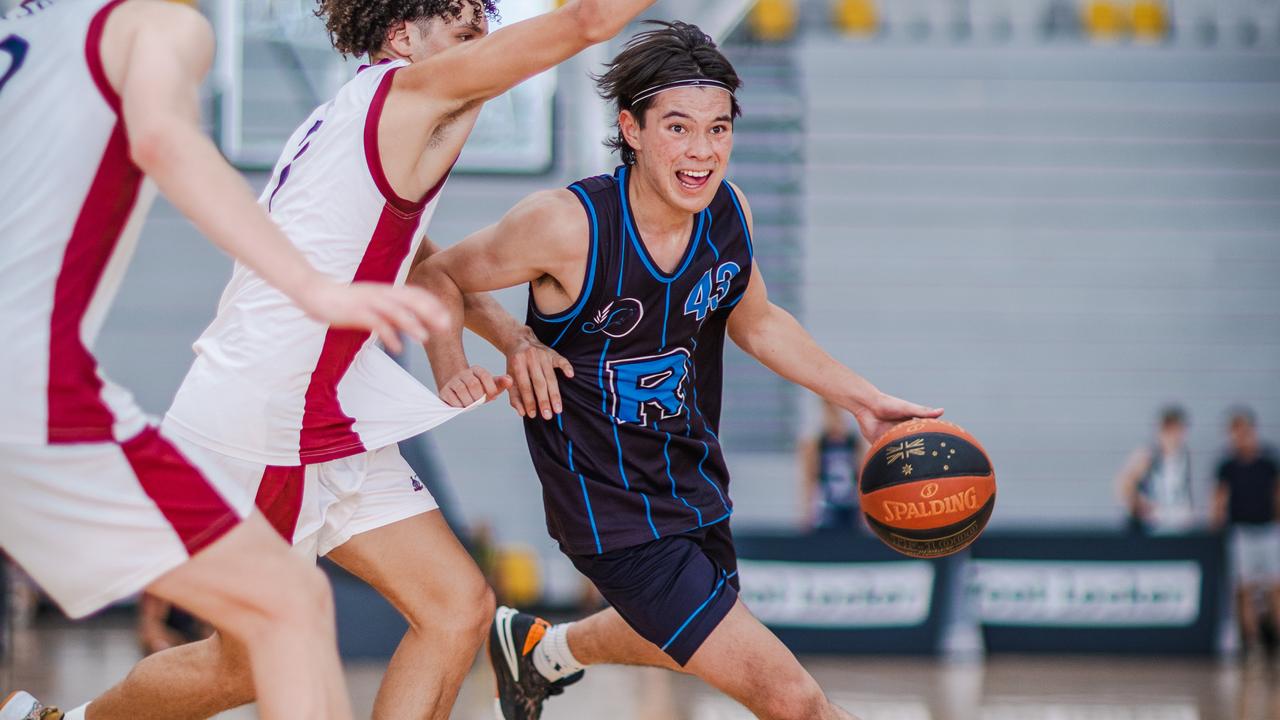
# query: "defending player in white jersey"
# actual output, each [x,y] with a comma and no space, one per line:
[98,97]
[307,416]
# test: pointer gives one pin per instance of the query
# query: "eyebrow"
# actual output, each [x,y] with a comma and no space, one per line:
[677,113]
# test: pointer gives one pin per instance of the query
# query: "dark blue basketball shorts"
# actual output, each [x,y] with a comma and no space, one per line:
[673,591]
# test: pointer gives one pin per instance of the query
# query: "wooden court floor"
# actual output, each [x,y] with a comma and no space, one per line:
[69,663]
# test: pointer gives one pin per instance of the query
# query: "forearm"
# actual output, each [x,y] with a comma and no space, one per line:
[192,174]
[483,315]
[781,344]
[444,349]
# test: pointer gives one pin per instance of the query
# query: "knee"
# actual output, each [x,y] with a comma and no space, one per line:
[463,612]
[796,701]
[294,596]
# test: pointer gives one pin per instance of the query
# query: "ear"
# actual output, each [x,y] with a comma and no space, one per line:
[398,41]
[630,128]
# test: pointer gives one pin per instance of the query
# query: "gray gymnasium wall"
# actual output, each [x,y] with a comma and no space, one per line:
[1050,244]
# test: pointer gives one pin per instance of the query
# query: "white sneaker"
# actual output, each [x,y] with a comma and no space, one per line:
[22,706]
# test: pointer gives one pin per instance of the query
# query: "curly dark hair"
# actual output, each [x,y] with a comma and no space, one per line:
[359,27]
[673,51]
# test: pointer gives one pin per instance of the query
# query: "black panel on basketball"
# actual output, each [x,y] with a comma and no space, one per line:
[930,455]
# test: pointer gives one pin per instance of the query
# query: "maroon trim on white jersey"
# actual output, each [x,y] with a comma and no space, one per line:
[279,498]
[327,431]
[77,412]
[374,158]
[195,511]
[93,54]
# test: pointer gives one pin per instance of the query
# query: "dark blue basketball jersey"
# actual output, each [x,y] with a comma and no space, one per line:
[635,455]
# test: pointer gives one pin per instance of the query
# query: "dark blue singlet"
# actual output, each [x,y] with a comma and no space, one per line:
[635,455]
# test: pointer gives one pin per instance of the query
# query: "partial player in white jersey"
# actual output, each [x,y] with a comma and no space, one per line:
[307,416]
[99,99]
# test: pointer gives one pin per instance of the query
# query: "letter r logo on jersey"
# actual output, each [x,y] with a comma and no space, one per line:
[655,382]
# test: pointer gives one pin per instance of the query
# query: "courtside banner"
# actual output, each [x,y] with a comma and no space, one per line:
[845,592]
[838,595]
[1098,592]
[1086,593]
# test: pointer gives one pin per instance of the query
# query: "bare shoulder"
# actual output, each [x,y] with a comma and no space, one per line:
[746,207]
[552,215]
[165,24]
[179,21]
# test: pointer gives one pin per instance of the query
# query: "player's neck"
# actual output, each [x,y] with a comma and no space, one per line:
[655,218]
[384,55]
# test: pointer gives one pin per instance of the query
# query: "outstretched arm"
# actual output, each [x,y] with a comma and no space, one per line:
[774,337]
[156,55]
[490,66]
[545,235]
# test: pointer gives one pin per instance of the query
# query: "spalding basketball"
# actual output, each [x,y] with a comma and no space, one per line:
[927,488]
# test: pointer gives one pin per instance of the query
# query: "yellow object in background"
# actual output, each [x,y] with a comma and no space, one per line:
[1104,19]
[857,17]
[773,20]
[1150,20]
[517,579]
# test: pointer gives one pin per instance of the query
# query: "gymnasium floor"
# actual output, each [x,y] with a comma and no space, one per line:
[69,663]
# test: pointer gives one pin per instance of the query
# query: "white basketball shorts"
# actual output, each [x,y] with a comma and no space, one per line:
[319,507]
[94,523]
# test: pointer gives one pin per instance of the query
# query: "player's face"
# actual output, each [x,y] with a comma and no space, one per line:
[442,33]
[683,149]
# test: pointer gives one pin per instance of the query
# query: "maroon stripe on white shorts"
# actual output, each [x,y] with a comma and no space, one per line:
[195,511]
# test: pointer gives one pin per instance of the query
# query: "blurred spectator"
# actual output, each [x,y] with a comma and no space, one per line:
[829,463]
[1247,503]
[1155,484]
[162,625]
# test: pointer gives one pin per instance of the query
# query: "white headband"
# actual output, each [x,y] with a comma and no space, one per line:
[692,82]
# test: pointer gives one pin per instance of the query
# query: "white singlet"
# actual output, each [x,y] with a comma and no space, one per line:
[94,502]
[269,384]
[71,205]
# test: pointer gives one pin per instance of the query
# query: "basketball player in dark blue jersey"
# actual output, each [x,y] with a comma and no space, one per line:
[635,279]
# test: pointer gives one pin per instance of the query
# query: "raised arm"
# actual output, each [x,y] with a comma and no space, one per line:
[156,55]
[772,335]
[490,66]
[543,237]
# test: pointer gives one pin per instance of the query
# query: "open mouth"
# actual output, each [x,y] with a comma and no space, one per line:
[693,179]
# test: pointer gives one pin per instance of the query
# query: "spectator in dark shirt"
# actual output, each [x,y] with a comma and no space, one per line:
[1247,503]
[829,465]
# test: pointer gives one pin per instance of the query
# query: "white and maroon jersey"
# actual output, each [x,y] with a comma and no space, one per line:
[270,384]
[71,205]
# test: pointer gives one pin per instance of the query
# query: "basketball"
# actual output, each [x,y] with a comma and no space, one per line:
[927,488]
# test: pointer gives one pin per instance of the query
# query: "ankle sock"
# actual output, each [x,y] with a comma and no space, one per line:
[552,657]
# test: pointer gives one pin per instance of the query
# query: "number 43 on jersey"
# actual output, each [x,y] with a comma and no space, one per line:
[711,290]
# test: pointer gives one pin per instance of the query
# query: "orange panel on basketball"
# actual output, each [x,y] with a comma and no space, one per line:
[929,504]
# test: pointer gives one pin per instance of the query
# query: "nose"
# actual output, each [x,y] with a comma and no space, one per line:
[700,147]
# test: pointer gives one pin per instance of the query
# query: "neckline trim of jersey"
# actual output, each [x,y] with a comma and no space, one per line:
[633,230]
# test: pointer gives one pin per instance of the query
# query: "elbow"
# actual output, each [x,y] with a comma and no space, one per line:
[154,145]
[594,24]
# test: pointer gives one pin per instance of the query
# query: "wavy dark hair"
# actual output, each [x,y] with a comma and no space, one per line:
[359,27]
[673,51]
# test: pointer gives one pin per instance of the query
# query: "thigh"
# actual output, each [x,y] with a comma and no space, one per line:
[364,494]
[97,522]
[1248,556]
[670,591]
[250,567]
[411,562]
